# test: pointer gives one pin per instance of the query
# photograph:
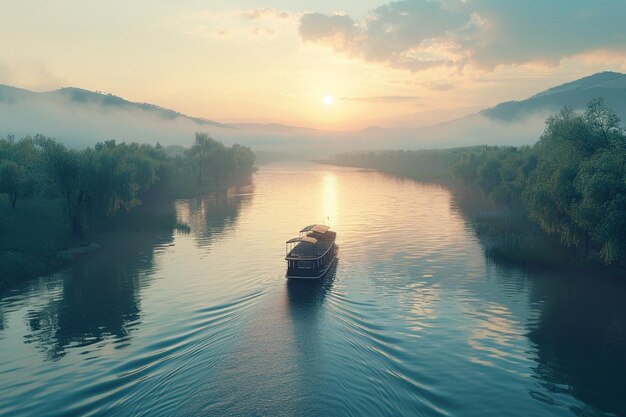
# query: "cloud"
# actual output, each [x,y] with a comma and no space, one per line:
[247,14]
[255,14]
[421,34]
[382,99]
[440,86]
[263,32]
[316,27]
[230,24]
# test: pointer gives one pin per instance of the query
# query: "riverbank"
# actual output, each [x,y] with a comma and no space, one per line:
[57,200]
[36,237]
[571,183]
[36,240]
[506,234]
[31,237]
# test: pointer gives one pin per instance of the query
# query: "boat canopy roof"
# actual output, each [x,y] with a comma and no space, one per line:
[305,239]
[319,228]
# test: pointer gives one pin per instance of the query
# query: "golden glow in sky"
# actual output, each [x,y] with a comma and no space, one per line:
[229,61]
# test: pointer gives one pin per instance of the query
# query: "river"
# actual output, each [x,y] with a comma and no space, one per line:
[414,320]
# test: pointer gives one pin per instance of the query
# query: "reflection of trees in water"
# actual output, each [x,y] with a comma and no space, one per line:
[580,337]
[99,297]
[210,216]
[507,235]
[580,333]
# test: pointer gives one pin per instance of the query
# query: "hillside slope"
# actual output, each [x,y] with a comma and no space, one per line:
[609,85]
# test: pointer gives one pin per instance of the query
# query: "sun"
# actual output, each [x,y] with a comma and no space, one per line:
[329,100]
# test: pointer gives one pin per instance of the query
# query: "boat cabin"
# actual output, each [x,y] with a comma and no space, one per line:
[311,254]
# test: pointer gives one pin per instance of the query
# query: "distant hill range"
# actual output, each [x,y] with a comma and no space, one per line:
[81,118]
[576,94]
[80,96]
[509,123]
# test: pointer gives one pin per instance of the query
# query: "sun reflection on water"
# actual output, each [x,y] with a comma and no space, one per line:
[329,199]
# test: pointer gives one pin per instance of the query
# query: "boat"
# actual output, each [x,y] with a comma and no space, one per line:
[312,253]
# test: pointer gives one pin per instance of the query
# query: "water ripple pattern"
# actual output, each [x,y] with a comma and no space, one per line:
[413,320]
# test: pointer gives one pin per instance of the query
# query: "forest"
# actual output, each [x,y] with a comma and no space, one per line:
[96,183]
[53,197]
[571,183]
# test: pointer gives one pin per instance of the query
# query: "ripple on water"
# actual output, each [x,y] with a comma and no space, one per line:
[414,320]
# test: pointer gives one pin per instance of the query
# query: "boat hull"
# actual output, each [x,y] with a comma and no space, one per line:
[319,274]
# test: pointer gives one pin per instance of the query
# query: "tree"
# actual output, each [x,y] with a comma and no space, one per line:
[578,187]
[19,171]
[489,175]
[466,167]
[600,119]
[550,194]
[10,180]
[207,159]
[601,183]
[66,174]
[242,159]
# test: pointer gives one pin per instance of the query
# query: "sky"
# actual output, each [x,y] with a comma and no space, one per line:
[277,61]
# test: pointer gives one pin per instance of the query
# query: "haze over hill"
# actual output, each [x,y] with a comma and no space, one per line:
[514,122]
[609,85]
[81,118]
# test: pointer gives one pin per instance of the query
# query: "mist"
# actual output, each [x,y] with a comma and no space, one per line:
[84,123]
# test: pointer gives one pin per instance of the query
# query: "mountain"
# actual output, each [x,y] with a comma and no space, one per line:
[510,123]
[424,118]
[80,96]
[81,118]
[576,94]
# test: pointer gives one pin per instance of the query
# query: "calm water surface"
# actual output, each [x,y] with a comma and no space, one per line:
[414,320]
